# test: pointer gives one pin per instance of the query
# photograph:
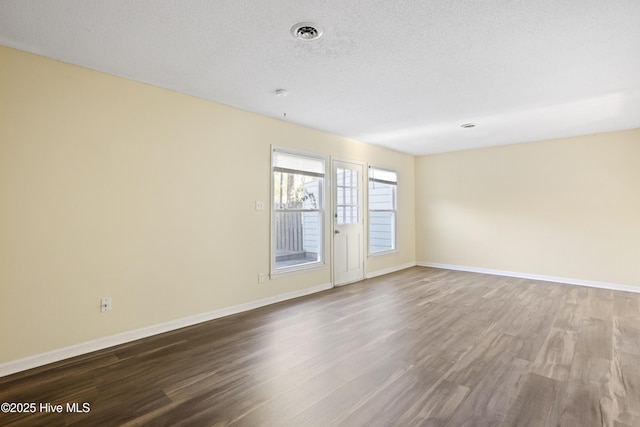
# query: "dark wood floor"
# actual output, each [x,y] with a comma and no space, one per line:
[419,347]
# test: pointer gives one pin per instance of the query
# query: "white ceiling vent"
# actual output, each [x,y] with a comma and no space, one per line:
[306,31]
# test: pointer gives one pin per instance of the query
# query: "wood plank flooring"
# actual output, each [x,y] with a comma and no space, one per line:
[423,346]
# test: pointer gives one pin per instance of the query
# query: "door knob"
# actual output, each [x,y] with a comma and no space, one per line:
[336,231]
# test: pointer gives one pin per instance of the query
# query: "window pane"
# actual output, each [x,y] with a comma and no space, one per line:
[340,177]
[354,215]
[298,238]
[381,196]
[347,196]
[348,177]
[381,231]
[296,191]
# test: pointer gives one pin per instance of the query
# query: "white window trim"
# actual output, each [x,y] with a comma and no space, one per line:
[396,211]
[315,265]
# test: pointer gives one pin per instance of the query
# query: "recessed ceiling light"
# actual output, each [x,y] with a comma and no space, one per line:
[281,92]
[468,125]
[306,31]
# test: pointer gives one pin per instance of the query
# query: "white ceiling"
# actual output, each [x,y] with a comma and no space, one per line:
[404,74]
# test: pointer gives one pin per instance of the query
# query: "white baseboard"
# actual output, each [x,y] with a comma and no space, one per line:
[19,365]
[390,270]
[570,281]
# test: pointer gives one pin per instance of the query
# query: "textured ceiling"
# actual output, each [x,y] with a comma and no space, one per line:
[403,74]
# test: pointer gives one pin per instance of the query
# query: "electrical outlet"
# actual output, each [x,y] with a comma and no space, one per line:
[259,205]
[105,304]
[260,277]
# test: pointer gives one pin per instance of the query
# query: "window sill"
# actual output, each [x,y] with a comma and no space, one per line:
[297,269]
[389,252]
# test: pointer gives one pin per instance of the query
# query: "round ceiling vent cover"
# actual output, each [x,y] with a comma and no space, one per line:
[306,31]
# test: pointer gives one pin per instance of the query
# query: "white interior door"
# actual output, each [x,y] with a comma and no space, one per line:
[348,224]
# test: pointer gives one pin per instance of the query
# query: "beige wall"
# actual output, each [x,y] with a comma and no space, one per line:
[565,208]
[110,187]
